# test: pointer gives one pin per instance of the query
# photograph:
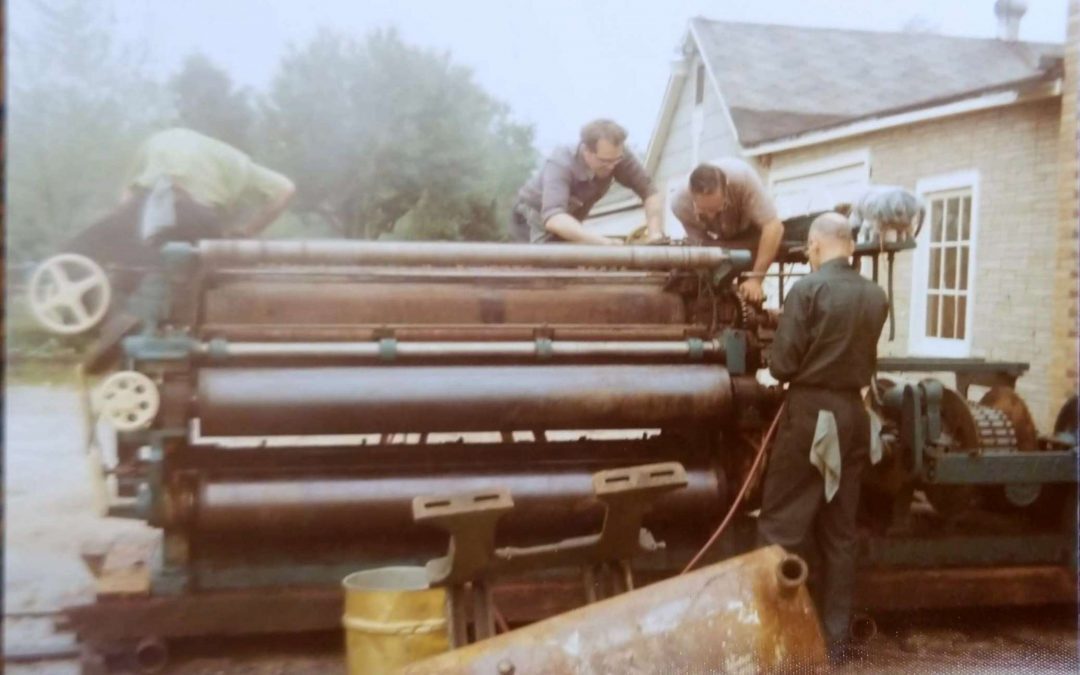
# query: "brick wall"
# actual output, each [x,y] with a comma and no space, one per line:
[1017,288]
[1063,375]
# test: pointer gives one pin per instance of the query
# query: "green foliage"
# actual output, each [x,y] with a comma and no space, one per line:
[384,139]
[77,109]
[207,102]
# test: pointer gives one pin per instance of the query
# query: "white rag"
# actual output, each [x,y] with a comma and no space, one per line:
[159,210]
[825,452]
[877,448]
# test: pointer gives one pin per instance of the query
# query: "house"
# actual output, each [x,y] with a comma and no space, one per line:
[983,129]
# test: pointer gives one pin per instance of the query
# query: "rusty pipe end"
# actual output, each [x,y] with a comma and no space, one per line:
[862,628]
[791,573]
[151,655]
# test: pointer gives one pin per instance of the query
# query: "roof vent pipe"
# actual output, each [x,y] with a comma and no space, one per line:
[1009,13]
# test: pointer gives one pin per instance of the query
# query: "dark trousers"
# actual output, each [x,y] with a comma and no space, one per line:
[794,513]
[115,239]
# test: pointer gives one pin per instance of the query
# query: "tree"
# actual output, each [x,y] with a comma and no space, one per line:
[207,102]
[384,139]
[78,107]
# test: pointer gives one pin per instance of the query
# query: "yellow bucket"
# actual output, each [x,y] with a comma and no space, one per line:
[392,618]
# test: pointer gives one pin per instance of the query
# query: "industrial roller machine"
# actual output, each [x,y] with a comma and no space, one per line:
[282,406]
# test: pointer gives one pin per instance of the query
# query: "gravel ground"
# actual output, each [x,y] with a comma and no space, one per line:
[49,515]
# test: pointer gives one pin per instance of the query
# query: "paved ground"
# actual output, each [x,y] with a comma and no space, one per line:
[49,515]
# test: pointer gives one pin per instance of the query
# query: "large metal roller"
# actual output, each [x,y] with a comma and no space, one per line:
[232,253]
[550,503]
[331,302]
[394,399]
[286,332]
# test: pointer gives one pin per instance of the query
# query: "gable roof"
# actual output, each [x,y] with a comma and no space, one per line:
[780,81]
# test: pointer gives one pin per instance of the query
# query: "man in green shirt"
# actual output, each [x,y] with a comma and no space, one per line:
[184,186]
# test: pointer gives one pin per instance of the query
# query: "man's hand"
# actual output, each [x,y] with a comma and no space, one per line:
[751,290]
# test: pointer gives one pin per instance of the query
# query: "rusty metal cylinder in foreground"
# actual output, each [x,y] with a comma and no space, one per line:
[395,399]
[746,615]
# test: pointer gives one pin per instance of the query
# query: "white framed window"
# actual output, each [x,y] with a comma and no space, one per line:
[943,273]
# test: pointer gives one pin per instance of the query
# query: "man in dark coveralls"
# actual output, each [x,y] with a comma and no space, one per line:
[826,350]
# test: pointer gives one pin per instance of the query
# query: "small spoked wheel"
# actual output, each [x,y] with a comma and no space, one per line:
[69,294]
[128,400]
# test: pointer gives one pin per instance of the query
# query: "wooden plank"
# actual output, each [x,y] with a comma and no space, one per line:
[908,589]
[218,613]
[125,572]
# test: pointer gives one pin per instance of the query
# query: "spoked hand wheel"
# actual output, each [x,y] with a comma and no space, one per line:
[128,400]
[69,294]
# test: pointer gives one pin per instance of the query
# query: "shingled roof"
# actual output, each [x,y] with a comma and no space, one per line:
[780,81]
[783,81]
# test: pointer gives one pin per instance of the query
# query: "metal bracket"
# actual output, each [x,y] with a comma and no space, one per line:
[543,348]
[150,302]
[387,349]
[470,519]
[735,351]
[153,348]
[933,391]
[905,402]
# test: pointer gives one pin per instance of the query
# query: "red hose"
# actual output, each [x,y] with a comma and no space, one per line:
[742,492]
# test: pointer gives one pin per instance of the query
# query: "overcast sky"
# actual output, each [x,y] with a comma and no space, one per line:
[558,63]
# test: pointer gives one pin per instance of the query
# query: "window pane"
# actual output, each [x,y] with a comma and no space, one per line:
[935,220]
[950,268]
[967,218]
[935,268]
[699,94]
[961,317]
[952,213]
[932,316]
[964,268]
[948,316]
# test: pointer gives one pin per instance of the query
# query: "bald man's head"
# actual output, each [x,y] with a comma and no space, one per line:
[831,225]
[829,238]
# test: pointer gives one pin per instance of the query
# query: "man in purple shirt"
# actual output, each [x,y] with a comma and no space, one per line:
[553,203]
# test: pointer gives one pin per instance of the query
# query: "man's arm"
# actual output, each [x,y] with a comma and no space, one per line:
[768,245]
[555,186]
[654,216]
[762,213]
[268,214]
[276,189]
[792,339]
[632,174]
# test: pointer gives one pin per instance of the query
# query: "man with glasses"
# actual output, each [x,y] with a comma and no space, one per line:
[725,204]
[551,206]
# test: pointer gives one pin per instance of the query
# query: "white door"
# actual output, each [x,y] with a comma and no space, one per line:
[815,186]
